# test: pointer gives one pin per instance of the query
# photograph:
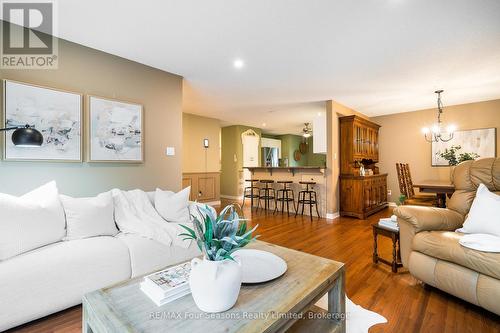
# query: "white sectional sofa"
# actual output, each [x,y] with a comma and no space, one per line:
[54,277]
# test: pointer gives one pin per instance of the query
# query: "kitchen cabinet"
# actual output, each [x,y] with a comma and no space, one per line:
[319,133]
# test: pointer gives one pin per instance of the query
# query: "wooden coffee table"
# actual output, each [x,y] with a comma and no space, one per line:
[276,306]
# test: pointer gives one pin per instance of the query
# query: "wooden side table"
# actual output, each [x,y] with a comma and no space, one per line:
[396,253]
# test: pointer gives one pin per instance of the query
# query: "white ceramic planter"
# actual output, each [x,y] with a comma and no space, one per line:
[215,285]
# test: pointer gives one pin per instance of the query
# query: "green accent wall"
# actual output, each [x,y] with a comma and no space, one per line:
[231,147]
[314,159]
[228,176]
[290,143]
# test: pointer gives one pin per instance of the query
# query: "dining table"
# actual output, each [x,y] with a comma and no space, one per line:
[442,188]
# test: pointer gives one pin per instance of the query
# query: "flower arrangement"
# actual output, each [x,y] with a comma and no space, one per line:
[454,157]
[219,236]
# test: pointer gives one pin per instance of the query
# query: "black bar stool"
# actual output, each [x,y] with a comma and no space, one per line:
[285,197]
[267,193]
[249,191]
[311,200]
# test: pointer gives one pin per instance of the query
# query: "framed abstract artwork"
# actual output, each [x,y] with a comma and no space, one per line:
[57,114]
[479,141]
[116,131]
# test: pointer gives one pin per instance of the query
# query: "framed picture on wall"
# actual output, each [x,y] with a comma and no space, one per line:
[116,131]
[479,141]
[57,114]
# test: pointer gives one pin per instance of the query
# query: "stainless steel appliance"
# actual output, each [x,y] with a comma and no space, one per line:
[270,156]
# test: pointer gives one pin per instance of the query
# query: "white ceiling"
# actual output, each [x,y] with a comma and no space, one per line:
[376,56]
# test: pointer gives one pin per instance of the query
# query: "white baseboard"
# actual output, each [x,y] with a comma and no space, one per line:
[231,197]
[331,216]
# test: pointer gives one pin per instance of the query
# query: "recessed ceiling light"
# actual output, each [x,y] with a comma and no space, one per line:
[238,64]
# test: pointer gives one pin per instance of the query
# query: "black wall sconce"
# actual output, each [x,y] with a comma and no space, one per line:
[25,136]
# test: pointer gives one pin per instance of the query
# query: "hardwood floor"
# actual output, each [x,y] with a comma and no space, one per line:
[408,305]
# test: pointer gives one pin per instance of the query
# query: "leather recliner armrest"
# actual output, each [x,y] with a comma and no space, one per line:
[429,218]
[414,219]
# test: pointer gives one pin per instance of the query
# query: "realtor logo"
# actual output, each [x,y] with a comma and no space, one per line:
[27,35]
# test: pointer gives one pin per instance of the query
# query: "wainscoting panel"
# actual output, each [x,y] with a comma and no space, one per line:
[186,182]
[205,187]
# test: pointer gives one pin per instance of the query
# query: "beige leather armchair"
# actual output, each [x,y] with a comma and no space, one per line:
[429,243]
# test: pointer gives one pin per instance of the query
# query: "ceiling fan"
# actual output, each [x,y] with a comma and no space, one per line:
[307,130]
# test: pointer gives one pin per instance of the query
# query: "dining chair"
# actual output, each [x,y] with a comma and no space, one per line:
[406,188]
[401,180]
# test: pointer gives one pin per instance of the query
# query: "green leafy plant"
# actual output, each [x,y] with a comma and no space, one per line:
[219,236]
[401,199]
[467,157]
[453,156]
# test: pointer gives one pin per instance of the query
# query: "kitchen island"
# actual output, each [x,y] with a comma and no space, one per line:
[293,170]
[296,175]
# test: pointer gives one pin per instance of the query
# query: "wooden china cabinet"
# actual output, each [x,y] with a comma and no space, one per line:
[360,196]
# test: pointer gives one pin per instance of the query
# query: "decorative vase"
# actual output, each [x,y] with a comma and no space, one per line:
[215,285]
[452,172]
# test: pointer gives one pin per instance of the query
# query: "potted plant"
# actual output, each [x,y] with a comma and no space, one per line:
[401,200]
[453,157]
[215,281]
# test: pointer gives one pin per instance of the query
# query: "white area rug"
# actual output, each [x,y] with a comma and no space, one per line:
[359,320]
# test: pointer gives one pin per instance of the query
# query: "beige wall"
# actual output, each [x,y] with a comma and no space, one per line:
[401,139]
[194,130]
[89,71]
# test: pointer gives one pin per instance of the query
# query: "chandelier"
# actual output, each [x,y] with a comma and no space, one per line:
[307,130]
[438,132]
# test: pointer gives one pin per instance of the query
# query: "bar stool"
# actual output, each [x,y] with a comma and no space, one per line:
[285,197]
[267,193]
[249,191]
[311,200]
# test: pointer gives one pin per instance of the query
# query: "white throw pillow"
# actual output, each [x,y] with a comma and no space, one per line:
[484,214]
[151,196]
[173,207]
[30,221]
[89,217]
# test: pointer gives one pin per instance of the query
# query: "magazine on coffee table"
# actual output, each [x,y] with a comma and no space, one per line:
[167,285]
